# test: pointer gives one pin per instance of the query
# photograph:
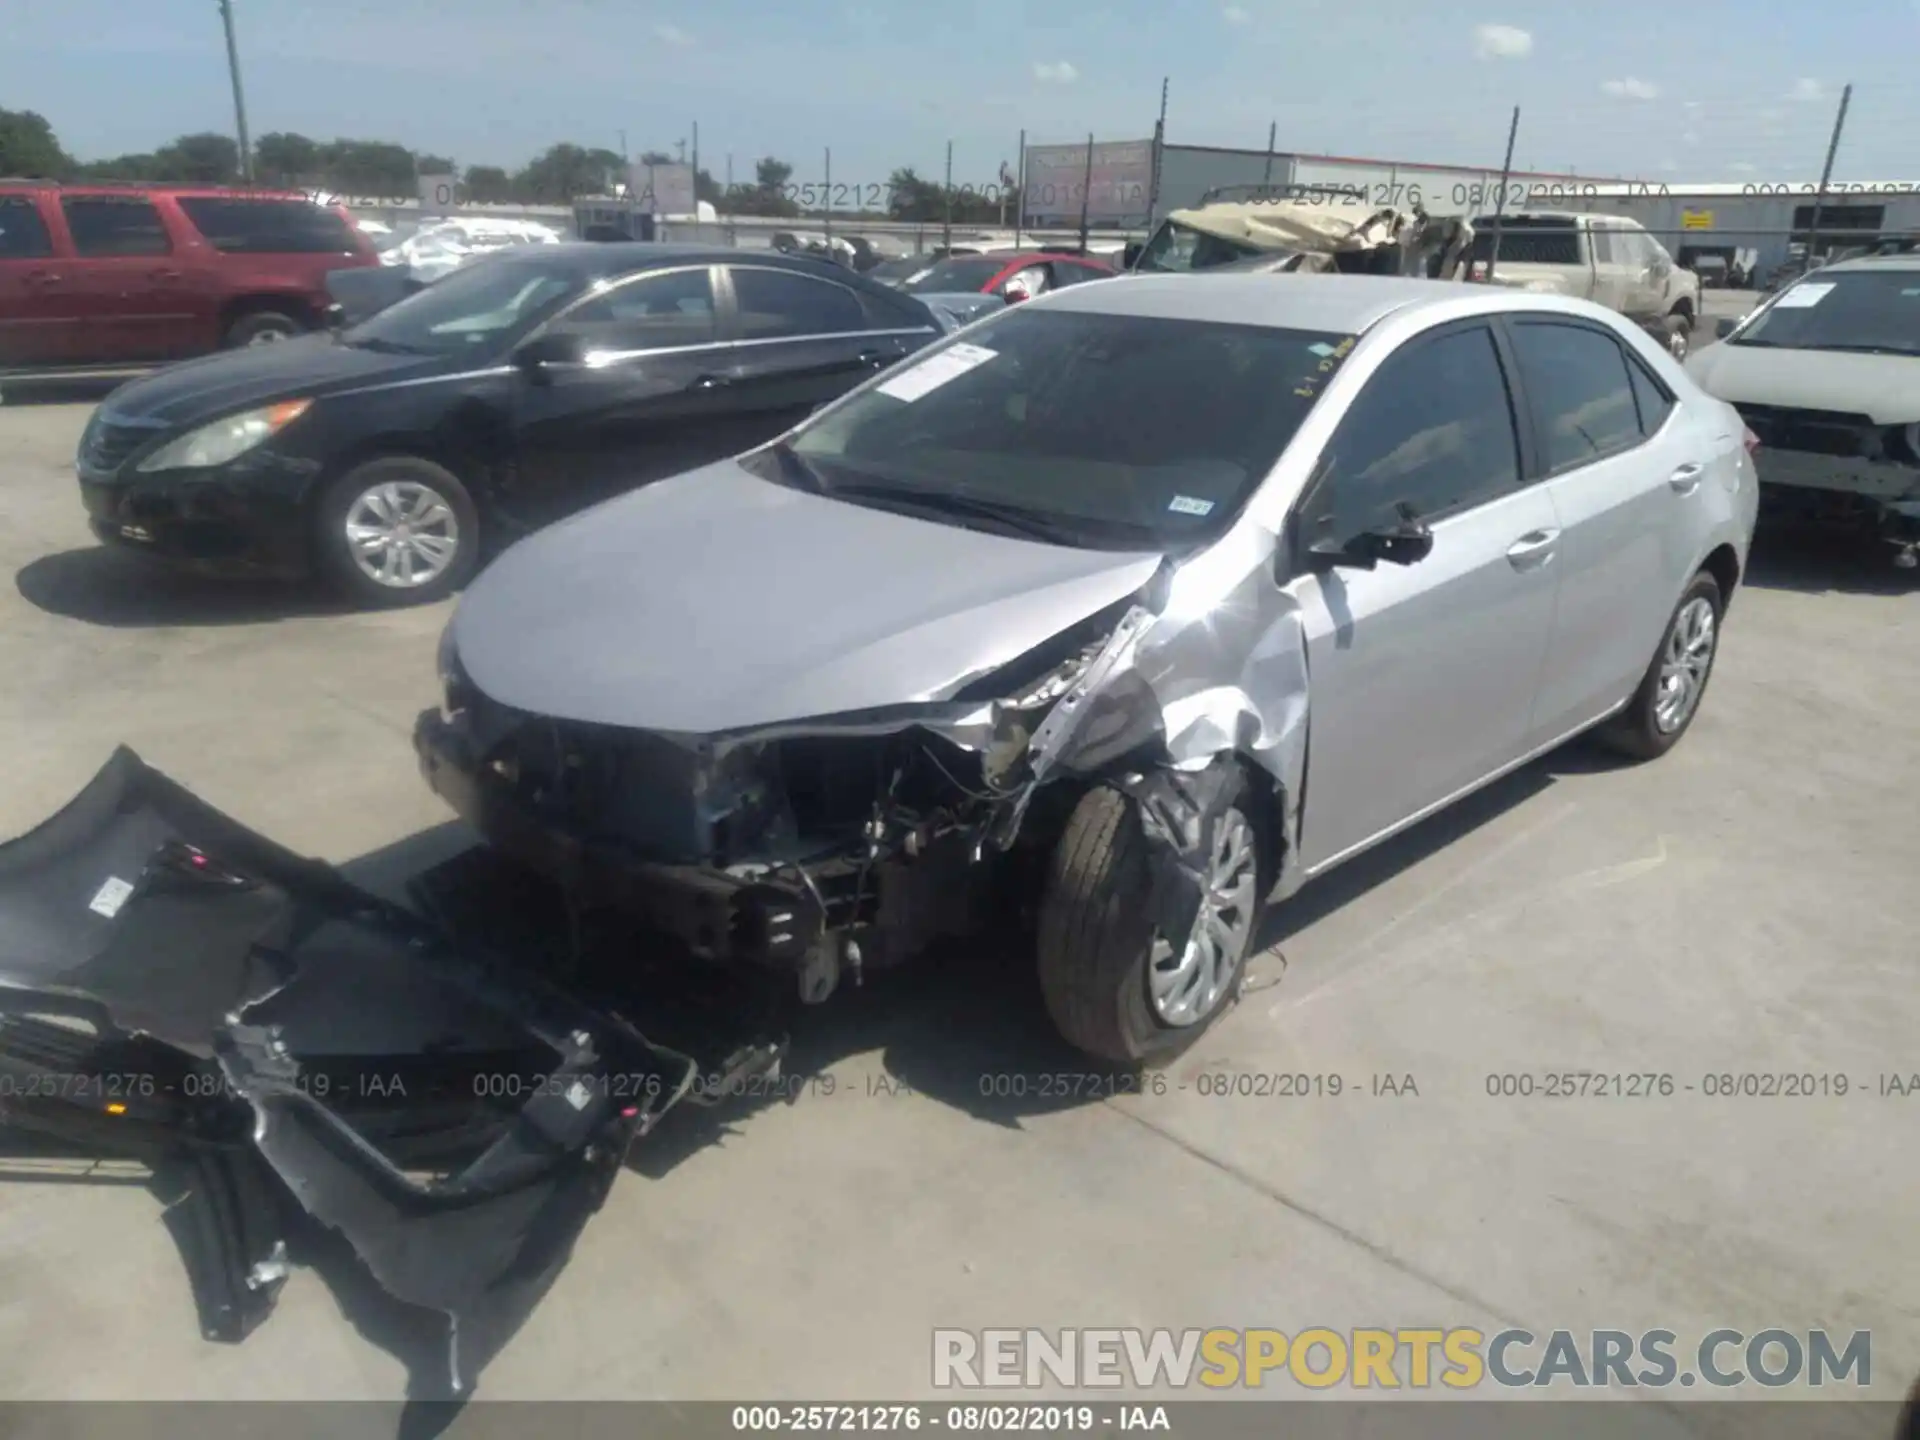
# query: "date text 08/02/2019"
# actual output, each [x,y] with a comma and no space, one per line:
[1039,1418]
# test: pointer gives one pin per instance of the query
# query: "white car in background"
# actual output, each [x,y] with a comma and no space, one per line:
[437,248]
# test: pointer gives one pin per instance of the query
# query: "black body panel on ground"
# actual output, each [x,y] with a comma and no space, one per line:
[174,986]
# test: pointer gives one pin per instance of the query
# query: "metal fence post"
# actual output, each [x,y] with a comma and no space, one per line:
[1159,146]
[1826,171]
[828,199]
[946,215]
[1273,134]
[1499,209]
[1086,194]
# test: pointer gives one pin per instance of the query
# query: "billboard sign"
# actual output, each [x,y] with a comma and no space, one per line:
[661,189]
[1057,177]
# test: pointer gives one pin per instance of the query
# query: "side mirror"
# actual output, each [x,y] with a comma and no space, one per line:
[1131,254]
[1407,542]
[536,355]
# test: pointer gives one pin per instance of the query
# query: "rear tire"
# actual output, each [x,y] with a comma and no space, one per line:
[1656,718]
[395,531]
[264,327]
[1678,334]
[1099,950]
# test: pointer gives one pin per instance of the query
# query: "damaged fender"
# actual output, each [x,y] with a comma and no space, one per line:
[456,1121]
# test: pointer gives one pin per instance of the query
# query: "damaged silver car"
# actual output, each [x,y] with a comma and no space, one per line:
[1127,610]
[1310,229]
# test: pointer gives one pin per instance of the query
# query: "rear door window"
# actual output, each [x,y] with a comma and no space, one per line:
[108,225]
[781,305]
[267,227]
[23,232]
[1579,391]
[653,312]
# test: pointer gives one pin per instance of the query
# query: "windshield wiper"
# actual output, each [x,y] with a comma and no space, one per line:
[1864,349]
[383,347]
[944,503]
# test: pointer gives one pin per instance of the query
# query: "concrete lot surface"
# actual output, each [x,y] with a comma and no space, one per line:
[1746,905]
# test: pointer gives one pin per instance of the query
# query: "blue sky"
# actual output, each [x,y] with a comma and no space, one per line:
[1705,91]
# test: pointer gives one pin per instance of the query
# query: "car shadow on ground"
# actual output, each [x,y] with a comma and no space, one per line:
[1816,561]
[104,586]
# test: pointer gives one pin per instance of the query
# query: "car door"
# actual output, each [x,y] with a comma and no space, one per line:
[38,321]
[1612,266]
[1645,277]
[1619,458]
[1421,677]
[126,280]
[799,341]
[622,387]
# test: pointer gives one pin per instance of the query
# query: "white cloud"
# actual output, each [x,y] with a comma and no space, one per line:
[1631,89]
[1501,42]
[1807,90]
[672,35]
[1234,15]
[1058,73]
[1690,138]
[1669,165]
[1741,167]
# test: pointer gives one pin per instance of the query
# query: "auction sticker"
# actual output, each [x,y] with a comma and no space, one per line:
[936,370]
[1802,297]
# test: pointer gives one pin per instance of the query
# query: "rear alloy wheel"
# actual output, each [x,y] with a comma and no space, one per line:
[1669,696]
[398,531]
[1115,986]
[263,327]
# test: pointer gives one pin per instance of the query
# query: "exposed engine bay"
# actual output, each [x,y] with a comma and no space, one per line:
[822,848]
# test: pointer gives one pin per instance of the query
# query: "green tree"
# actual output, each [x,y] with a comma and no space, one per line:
[143,168]
[376,169]
[204,159]
[434,165]
[769,193]
[285,159]
[488,185]
[563,172]
[28,148]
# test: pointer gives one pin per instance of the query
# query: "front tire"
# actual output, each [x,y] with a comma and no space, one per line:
[1114,986]
[1679,334]
[398,530]
[1663,707]
[263,327]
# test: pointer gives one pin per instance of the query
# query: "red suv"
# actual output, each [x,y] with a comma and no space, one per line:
[103,276]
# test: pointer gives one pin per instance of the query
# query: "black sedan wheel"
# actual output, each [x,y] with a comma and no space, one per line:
[398,531]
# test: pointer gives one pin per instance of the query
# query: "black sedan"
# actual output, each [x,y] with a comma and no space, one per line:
[503,397]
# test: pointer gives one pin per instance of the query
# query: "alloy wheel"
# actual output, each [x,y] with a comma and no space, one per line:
[1186,985]
[402,534]
[1684,666]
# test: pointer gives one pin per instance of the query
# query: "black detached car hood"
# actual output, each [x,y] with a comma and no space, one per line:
[304,368]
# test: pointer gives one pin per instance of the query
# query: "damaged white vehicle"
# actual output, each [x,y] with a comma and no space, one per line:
[1303,229]
[1125,610]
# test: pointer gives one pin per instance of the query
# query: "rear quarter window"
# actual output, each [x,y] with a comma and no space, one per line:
[23,231]
[267,227]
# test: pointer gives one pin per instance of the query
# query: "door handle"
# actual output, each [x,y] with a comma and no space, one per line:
[1533,549]
[712,382]
[1686,479]
[43,277]
[873,357]
[163,274]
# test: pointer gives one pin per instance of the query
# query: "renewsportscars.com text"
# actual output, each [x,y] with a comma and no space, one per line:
[1391,1359]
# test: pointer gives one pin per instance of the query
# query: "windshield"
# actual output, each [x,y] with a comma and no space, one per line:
[1114,431]
[958,273]
[1527,242]
[890,271]
[1177,248]
[477,307]
[1869,310]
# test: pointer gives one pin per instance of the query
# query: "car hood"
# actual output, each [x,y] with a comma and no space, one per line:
[1885,388]
[311,365]
[717,601]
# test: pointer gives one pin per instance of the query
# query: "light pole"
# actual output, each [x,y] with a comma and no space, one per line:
[239,98]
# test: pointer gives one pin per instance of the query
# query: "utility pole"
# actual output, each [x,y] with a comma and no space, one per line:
[239,97]
[1826,172]
[1273,134]
[826,200]
[946,224]
[1086,196]
[1020,210]
[696,169]
[1506,177]
[1159,146]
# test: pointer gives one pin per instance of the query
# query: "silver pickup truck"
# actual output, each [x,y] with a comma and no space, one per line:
[1607,259]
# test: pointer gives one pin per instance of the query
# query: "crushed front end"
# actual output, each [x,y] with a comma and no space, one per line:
[816,848]
[1842,468]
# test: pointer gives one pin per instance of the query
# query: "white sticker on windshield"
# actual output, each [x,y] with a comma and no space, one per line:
[936,370]
[1190,505]
[1800,297]
[111,895]
[1321,350]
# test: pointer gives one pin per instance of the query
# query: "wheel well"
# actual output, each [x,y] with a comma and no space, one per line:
[1683,306]
[1724,565]
[234,310]
[1267,801]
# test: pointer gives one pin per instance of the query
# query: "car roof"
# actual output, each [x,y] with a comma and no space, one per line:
[623,257]
[1870,262]
[135,187]
[1339,304]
